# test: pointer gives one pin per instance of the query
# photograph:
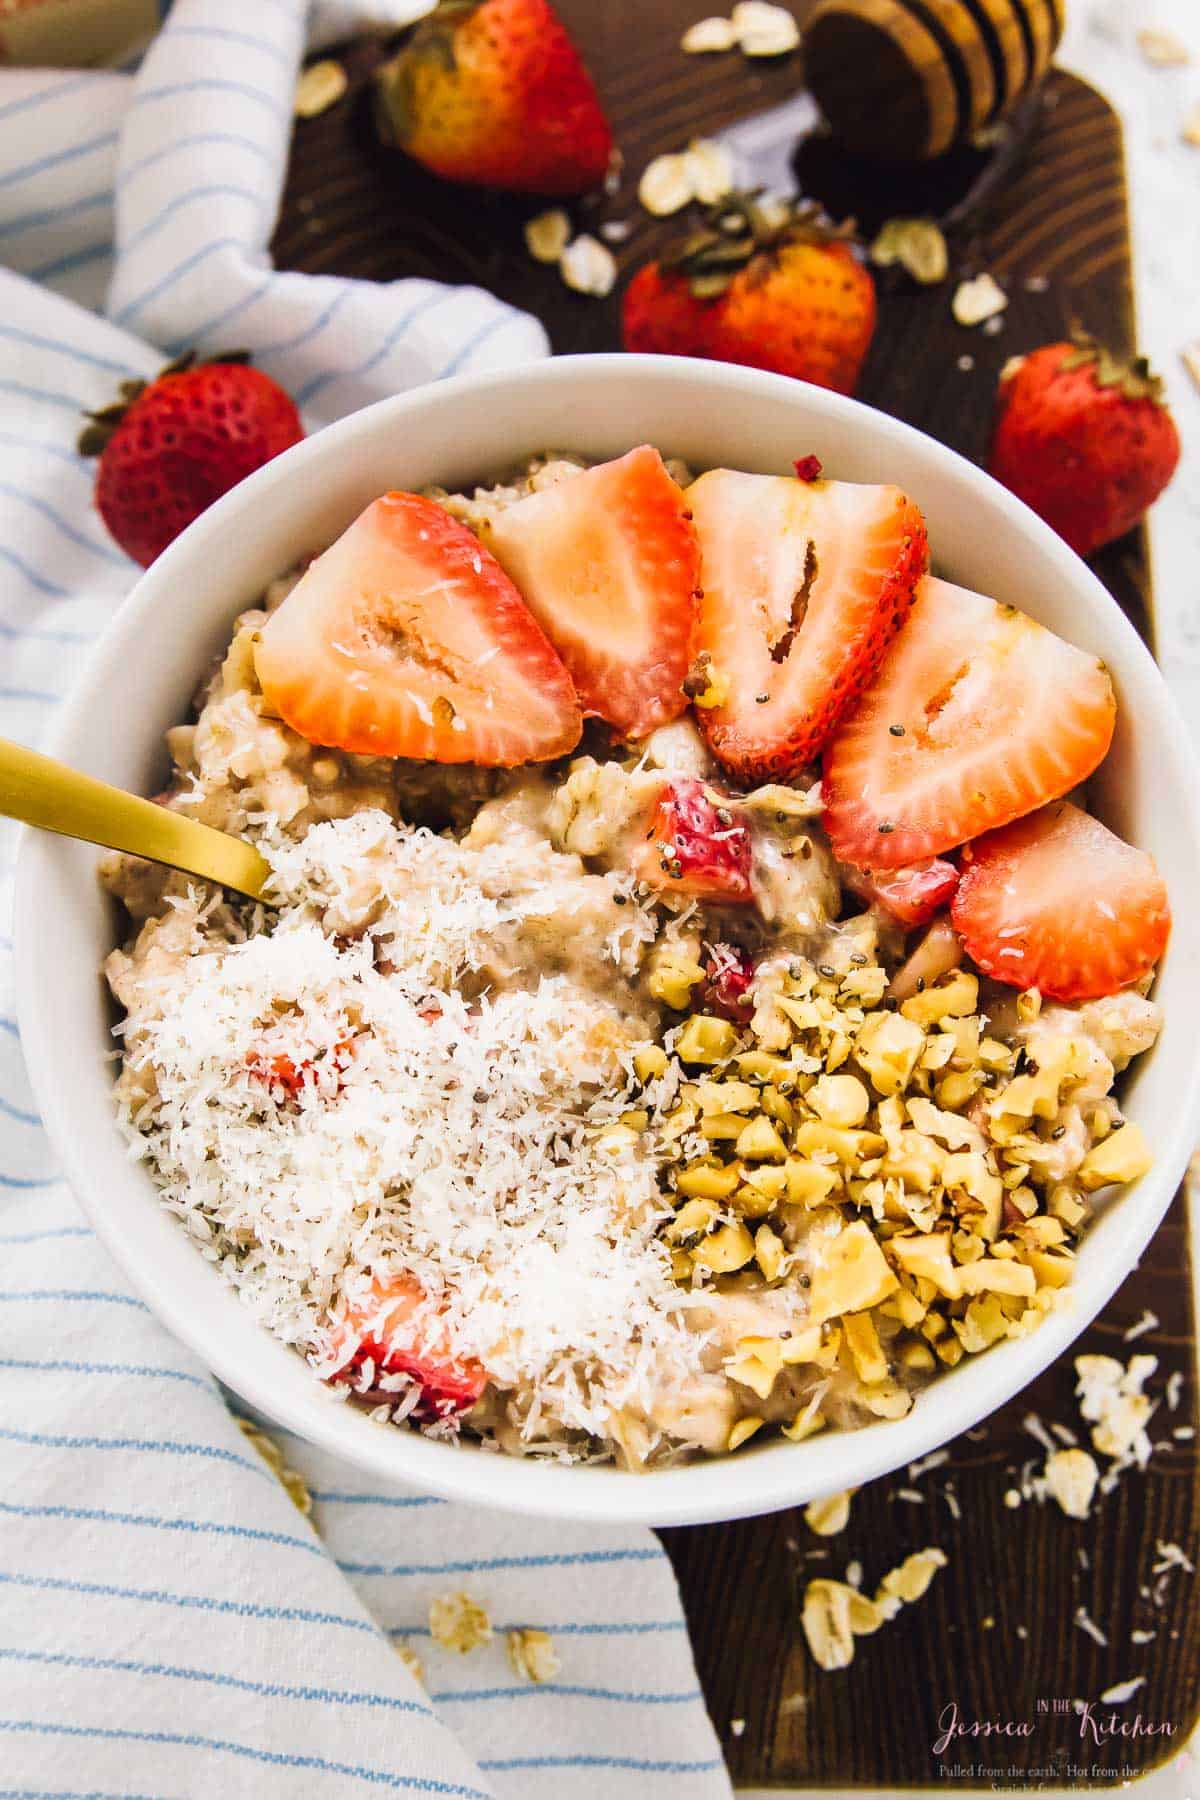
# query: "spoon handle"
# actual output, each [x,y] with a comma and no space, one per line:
[48,794]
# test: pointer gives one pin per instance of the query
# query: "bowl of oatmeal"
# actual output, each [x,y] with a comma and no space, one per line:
[717,1030]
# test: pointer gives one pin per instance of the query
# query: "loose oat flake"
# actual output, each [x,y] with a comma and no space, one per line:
[828,1516]
[764,30]
[1190,132]
[532,1654]
[411,1661]
[666,185]
[459,1623]
[547,235]
[1162,49]
[978,299]
[916,244]
[910,1581]
[320,86]
[588,266]
[707,35]
[1191,361]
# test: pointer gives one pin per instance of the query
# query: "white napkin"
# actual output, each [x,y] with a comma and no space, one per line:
[169,1624]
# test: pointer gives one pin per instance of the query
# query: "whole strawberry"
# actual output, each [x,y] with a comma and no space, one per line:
[773,286]
[493,92]
[1084,438]
[170,447]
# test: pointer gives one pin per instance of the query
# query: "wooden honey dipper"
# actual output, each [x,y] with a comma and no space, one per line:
[907,79]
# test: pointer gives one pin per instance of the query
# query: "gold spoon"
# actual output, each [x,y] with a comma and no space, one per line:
[48,794]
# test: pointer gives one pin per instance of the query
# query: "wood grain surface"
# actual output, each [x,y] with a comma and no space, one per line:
[996,1635]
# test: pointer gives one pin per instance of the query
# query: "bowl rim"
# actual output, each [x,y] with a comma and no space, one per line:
[756,1481]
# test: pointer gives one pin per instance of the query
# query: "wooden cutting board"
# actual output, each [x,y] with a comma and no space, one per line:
[996,1634]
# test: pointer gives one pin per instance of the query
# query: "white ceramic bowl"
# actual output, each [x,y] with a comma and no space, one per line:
[178,616]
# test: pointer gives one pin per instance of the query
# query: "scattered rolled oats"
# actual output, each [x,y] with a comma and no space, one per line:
[411,1661]
[532,1655]
[459,1623]
[978,299]
[666,185]
[320,86]
[829,1516]
[916,244]
[764,30]
[588,266]
[707,35]
[1071,1477]
[835,1613]
[1162,49]
[1191,361]
[1190,132]
[547,235]
[292,1482]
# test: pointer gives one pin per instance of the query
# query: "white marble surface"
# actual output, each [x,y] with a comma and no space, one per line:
[1164,189]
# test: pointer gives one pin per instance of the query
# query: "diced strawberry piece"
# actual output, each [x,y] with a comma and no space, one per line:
[805,584]
[728,983]
[978,716]
[1057,902]
[808,468]
[277,1069]
[384,1333]
[406,638]
[608,564]
[913,895]
[695,846]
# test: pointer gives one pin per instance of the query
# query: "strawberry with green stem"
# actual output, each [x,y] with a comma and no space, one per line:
[763,282]
[169,447]
[495,94]
[1084,438]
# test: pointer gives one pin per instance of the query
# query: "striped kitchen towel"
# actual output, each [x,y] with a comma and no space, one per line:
[170,1625]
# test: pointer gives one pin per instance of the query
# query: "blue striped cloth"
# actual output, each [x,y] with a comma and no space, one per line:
[169,1623]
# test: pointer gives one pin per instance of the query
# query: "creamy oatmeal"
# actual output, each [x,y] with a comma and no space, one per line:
[594,1105]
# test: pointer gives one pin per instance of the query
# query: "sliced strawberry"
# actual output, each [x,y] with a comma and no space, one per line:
[805,584]
[728,983]
[695,846]
[407,639]
[1057,902]
[384,1334]
[978,716]
[913,895]
[608,565]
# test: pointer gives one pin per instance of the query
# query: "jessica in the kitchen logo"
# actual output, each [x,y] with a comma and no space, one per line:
[1096,1723]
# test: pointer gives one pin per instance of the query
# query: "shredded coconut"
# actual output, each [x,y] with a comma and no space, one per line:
[446,1125]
